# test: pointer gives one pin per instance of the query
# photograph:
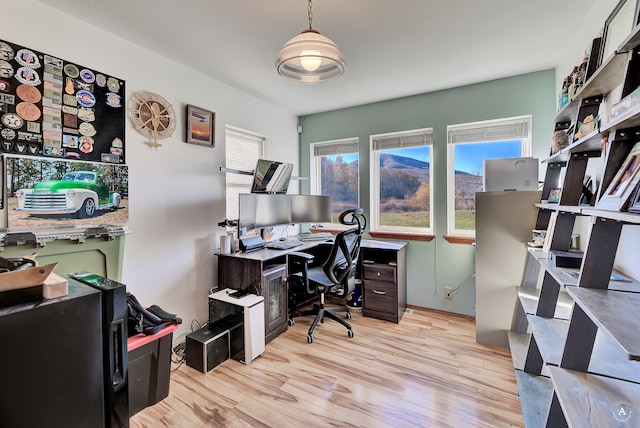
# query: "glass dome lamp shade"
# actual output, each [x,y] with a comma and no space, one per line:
[310,57]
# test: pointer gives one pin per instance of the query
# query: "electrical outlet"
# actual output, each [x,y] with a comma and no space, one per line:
[447,292]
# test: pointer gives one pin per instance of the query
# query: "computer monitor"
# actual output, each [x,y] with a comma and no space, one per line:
[271,177]
[256,211]
[310,208]
[510,174]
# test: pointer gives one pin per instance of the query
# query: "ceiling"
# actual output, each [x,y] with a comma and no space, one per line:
[393,48]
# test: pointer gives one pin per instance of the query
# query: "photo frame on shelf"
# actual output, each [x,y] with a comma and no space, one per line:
[593,60]
[588,191]
[617,27]
[200,126]
[634,201]
[625,181]
[554,195]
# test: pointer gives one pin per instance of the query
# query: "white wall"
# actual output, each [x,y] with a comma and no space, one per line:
[176,192]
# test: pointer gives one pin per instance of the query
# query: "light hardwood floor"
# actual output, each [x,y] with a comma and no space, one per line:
[427,371]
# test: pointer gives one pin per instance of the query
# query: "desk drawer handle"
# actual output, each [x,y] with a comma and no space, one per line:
[378,273]
[379,292]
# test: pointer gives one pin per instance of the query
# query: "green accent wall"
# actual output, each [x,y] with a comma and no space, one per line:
[432,266]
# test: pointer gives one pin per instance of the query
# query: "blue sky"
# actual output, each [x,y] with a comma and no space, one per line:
[469,157]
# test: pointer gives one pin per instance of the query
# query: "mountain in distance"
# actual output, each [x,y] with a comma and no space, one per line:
[414,166]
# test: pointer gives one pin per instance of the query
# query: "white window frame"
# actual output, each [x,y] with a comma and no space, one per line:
[486,131]
[342,146]
[398,140]
[242,150]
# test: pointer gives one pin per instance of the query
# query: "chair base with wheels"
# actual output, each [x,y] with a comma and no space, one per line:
[331,273]
[321,312]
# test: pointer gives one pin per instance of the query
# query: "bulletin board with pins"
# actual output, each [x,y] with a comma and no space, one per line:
[55,108]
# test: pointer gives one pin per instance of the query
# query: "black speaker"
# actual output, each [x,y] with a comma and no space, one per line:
[208,347]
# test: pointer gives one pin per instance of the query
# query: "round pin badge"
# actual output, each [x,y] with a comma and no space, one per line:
[5,86]
[8,134]
[28,76]
[21,147]
[27,58]
[6,52]
[29,112]
[87,75]
[86,144]
[7,146]
[113,84]
[28,93]
[113,100]
[71,70]
[6,69]
[87,129]
[12,120]
[101,80]
[85,98]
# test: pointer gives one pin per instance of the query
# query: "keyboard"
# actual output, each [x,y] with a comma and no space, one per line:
[316,236]
[284,245]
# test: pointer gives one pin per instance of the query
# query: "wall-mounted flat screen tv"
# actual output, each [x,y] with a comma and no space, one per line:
[271,177]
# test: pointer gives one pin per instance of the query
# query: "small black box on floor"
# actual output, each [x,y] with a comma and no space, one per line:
[213,344]
[207,348]
[569,259]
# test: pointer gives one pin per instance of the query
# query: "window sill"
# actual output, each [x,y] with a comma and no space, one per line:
[461,239]
[402,236]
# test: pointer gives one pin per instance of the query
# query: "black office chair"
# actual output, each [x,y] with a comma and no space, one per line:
[335,274]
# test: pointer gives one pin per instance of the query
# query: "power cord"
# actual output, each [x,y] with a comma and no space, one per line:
[206,259]
[473,275]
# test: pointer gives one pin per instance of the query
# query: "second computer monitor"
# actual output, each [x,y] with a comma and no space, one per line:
[310,209]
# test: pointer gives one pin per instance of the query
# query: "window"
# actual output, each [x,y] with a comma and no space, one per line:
[468,146]
[401,182]
[334,171]
[242,151]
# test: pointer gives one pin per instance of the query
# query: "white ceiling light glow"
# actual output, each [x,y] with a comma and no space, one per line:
[310,57]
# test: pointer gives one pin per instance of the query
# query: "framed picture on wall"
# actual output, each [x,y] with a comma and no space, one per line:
[200,126]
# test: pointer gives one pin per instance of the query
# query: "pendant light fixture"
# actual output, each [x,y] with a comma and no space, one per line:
[310,57]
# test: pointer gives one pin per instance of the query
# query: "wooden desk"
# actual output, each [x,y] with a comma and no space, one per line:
[264,272]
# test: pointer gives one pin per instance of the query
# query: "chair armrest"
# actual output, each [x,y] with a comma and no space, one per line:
[301,257]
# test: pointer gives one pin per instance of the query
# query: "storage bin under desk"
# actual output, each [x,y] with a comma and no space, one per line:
[149,368]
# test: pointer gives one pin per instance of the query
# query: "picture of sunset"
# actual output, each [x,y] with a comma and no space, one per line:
[200,129]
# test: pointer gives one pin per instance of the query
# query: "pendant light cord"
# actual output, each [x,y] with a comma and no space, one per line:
[310,15]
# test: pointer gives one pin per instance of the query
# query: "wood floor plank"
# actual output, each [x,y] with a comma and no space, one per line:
[427,371]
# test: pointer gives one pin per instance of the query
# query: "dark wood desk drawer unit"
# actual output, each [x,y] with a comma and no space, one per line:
[381,297]
[384,280]
[379,272]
